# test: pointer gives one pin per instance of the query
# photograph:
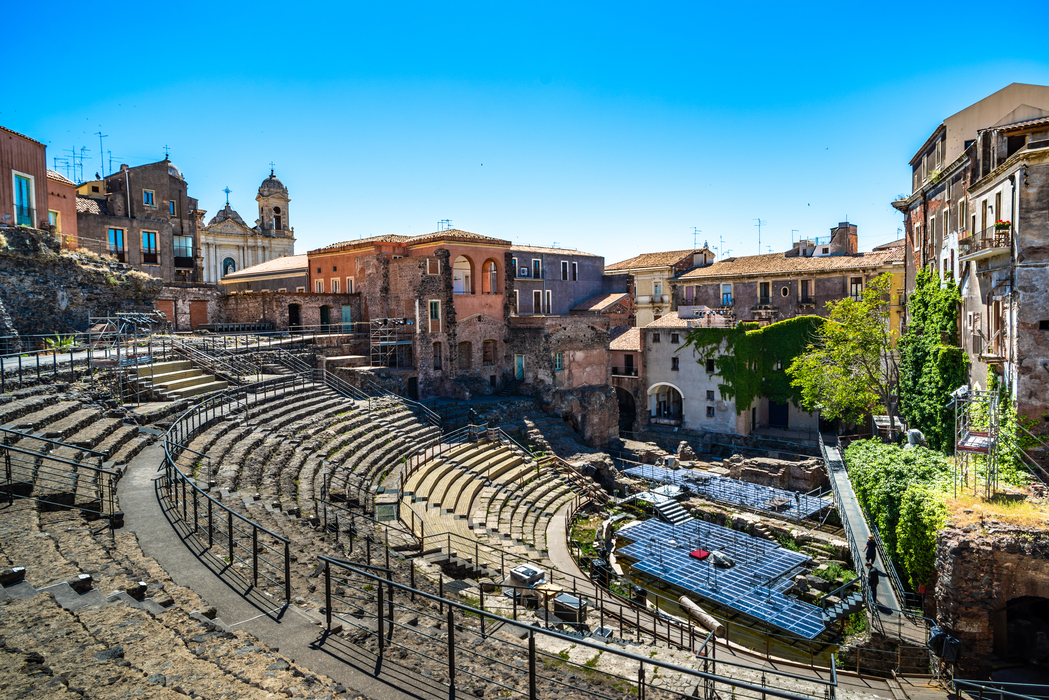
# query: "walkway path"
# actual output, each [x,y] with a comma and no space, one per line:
[286,628]
[852,519]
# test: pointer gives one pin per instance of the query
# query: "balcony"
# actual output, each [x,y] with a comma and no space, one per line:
[806,301]
[624,371]
[183,262]
[654,299]
[985,244]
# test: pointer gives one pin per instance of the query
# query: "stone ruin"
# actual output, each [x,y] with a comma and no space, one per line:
[801,476]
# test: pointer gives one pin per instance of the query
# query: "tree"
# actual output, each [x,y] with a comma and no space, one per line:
[850,368]
[932,365]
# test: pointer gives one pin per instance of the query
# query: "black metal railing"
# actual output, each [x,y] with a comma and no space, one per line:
[990,238]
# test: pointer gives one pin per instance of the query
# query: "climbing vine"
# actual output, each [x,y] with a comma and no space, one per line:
[923,511]
[882,474]
[752,360]
[932,364]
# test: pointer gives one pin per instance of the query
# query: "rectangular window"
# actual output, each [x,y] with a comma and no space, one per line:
[513,266]
[655,337]
[537,302]
[300,290]
[856,288]
[962,213]
[433,266]
[564,270]
[335,286]
[674,338]
[998,206]
[318,286]
[537,269]
[549,306]
[349,285]
[765,293]
[147,197]
[149,248]
[674,364]
[710,394]
[435,316]
[806,291]
[559,360]
[575,272]
[946,222]
[183,246]
[116,241]
[690,295]
[710,411]
[726,295]
[657,289]
[24,200]
[171,207]
[517,302]
[465,355]
[436,355]
[55,220]
[488,352]
[710,365]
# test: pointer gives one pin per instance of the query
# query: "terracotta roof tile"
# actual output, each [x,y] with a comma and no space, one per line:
[664,259]
[600,302]
[87,205]
[1028,124]
[454,234]
[629,339]
[287,263]
[12,131]
[59,177]
[670,320]
[776,263]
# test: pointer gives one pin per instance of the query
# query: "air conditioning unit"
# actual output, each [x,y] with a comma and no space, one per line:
[524,272]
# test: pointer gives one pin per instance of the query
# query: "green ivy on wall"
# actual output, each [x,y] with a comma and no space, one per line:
[752,360]
[932,365]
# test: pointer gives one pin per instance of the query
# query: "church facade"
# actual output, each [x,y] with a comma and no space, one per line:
[228,244]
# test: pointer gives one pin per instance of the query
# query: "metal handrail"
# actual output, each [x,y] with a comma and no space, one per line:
[991,687]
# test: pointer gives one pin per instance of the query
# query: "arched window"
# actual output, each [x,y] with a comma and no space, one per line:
[277,219]
[462,276]
[228,265]
[490,278]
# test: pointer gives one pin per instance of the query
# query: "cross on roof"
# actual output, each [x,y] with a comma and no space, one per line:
[227,190]
[166,152]
[271,168]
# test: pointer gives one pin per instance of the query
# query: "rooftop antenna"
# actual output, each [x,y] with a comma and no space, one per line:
[760,222]
[792,232]
[101,150]
[695,235]
[227,190]
[721,243]
[769,248]
[83,150]
[110,154]
[444,224]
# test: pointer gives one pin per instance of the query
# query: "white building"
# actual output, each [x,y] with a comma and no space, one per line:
[228,244]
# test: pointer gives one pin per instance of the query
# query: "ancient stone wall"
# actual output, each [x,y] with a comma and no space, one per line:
[45,290]
[274,308]
[793,476]
[983,572]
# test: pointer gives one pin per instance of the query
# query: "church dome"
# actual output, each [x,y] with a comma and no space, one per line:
[272,183]
[174,171]
[227,213]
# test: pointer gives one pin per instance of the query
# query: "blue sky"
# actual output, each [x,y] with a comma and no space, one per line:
[612,128]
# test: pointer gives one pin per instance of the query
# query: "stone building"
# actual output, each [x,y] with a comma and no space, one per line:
[23,181]
[628,375]
[553,281]
[978,213]
[145,217]
[284,274]
[617,306]
[228,244]
[778,286]
[646,277]
[61,208]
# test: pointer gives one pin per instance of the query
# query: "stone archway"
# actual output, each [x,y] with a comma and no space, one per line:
[665,404]
[627,409]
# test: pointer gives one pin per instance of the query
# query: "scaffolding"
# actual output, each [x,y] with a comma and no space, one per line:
[388,341]
[976,416]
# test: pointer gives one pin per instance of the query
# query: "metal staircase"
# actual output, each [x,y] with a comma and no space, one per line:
[842,602]
[671,511]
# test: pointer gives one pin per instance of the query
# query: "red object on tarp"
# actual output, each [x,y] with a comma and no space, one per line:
[700,554]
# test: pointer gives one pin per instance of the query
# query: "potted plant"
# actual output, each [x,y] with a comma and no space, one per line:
[1001,225]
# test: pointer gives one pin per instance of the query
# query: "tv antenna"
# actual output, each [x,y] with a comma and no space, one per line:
[101,149]
[792,232]
[695,235]
[444,225]
[759,224]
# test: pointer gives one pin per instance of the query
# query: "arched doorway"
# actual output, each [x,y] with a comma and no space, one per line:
[462,276]
[325,317]
[294,317]
[665,404]
[627,408]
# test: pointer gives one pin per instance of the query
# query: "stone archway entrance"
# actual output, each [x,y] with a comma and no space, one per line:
[294,317]
[627,409]
[666,404]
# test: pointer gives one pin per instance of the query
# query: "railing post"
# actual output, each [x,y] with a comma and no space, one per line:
[229,523]
[327,594]
[211,526]
[195,526]
[451,649]
[254,555]
[287,572]
[483,635]
[641,681]
[532,694]
[380,621]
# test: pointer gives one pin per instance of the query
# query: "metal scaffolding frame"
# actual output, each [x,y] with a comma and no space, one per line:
[386,337]
[976,416]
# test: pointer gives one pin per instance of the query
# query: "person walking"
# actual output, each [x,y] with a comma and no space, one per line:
[872,550]
[873,576]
